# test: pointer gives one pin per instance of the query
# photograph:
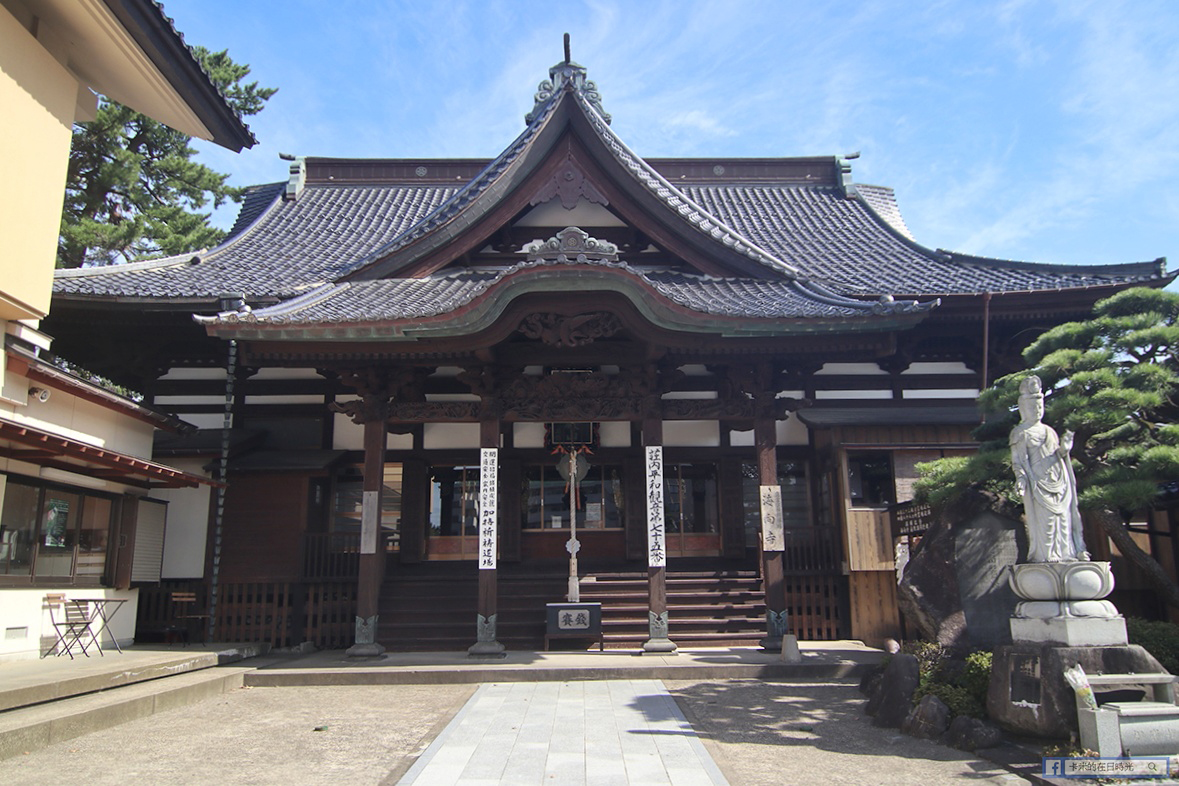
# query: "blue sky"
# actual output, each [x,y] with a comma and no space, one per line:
[1033,130]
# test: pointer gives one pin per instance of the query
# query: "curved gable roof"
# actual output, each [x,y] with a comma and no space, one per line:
[513,176]
[741,219]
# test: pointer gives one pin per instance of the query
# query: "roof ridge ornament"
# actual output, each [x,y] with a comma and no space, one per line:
[567,76]
[571,244]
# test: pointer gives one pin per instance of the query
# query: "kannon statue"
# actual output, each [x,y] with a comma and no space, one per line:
[1045,478]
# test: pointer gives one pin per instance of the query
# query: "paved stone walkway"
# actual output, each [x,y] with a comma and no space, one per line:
[594,733]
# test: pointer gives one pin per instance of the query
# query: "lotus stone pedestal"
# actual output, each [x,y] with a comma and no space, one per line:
[1062,603]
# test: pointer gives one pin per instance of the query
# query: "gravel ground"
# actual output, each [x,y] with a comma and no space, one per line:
[758,732]
[295,736]
[780,734]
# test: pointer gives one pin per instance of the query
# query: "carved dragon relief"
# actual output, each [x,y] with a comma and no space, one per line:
[559,330]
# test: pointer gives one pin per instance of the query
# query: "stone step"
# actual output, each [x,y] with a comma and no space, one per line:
[30,728]
[22,687]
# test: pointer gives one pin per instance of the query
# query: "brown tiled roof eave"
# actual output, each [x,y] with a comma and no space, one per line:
[44,448]
[37,370]
[155,34]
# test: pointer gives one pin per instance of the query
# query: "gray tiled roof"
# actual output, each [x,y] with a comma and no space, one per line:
[883,202]
[393,300]
[293,246]
[843,243]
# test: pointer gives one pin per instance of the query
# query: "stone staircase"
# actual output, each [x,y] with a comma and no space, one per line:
[437,613]
[705,608]
[423,612]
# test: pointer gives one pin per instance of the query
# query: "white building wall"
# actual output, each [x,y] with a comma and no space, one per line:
[691,433]
[188,525]
[441,436]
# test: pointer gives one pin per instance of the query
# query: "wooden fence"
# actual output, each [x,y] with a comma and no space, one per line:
[815,607]
[283,614]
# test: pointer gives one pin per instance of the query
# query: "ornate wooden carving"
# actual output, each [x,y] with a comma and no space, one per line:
[379,389]
[435,411]
[571,245]
[559,330]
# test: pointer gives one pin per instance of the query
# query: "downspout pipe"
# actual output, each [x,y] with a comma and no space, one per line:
[222,475]
[986,337]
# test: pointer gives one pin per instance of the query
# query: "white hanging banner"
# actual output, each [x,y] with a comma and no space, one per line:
[370,516]
[773,536]
[488,504]
[656,538]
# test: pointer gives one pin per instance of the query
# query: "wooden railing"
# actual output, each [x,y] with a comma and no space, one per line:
[810,550]
[335,556]
[331,556]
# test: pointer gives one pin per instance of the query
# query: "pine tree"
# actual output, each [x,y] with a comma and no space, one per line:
[1112,380]
[133,188]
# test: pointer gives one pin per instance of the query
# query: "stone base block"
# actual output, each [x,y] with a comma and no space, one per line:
[368,649]
[790,651]
[1146,728]
[487,649]
[1070,631]
[1029,694]
[655,646]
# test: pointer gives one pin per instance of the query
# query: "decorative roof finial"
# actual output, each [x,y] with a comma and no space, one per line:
[570,76]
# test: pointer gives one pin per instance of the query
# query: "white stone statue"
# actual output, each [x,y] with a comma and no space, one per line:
[1044,475]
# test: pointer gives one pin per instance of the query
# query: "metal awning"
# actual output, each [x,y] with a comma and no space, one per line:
[23,442]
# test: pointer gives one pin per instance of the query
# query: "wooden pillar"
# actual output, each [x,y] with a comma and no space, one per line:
[486,645]
[657,614]
[372,554]
[772,540]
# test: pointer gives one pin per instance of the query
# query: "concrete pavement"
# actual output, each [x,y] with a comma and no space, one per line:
[706,716]
[596,733]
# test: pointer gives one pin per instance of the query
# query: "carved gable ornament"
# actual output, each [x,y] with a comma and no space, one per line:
[569,183]
[571,244]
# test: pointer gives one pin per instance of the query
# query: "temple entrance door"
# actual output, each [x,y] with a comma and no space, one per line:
[454,522]
[692,510]
[546,512]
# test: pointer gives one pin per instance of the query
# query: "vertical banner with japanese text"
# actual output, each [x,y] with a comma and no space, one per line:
[488,503]
[773,536]
[370,521]
[656,540]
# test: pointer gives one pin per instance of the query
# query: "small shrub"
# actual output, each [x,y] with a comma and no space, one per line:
[1160,639]
[960,700]
[976,677]
[962,686]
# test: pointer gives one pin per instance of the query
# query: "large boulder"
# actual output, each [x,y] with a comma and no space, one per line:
[896,691]
[971,734]
[928,720]
[954,589]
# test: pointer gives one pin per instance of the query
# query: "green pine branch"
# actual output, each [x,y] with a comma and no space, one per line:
[133,187]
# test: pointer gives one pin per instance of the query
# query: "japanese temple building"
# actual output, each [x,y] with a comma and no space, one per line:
[393,361]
